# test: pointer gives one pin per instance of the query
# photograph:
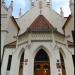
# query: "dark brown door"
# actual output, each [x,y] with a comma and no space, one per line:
[42,68]
[41,63]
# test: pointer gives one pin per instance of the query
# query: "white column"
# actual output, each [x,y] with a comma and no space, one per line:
[58,58]
[53,61]
[15,65]
[31,66]
[4,64]
[4,34]
[26,62]
[69,65]
[53,68]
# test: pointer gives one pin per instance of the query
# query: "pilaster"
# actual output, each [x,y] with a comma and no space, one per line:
[53,68]
[53,39]
[26,67]
[29,39]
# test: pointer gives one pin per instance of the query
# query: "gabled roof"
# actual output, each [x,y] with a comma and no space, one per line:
[15,22]
[40,24]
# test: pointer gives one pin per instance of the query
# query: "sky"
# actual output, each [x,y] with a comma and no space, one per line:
[24,5]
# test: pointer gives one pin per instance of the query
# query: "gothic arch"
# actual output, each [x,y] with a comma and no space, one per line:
[44,48]
[42,62]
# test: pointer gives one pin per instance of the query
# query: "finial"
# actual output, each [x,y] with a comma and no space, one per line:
[40,7]
[61,12]
[20,12]
[49,4]
[11,5]
[40,4]
[32,4]
[3,2]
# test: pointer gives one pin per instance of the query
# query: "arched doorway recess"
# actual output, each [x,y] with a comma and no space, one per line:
[41,63]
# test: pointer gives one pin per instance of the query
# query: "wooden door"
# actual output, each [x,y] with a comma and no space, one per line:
[42,69]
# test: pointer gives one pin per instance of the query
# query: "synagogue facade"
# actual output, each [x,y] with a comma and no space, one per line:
[35,43]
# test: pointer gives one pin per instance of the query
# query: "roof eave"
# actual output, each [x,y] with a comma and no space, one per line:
[16,23]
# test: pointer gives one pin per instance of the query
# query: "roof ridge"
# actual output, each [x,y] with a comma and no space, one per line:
[40,23]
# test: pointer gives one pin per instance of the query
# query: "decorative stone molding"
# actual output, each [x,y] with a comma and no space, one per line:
[41,37]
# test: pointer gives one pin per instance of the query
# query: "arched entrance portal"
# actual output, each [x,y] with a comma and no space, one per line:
[41,63]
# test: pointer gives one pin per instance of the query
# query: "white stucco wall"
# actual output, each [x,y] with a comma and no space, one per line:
[3,40]
[7,52]
[30,48]
[12,31]
[8,27]
[69,28]
[30,52]
[4,31]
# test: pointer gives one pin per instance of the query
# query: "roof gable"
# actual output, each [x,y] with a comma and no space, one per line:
[13,19]
[68,19]
[40,24]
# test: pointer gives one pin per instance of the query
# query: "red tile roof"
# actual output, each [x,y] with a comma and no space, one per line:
[40,24]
